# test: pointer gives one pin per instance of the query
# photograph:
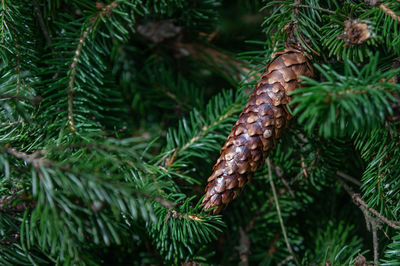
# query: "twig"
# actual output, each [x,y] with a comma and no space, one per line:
[357,199]
[75,60]
[179,215]
[389,12]
[272,245]
[285,261]
[314,7]
[279,213]
[371,223]
[204,131]
[3,14]
[393,224]
[349,178]
[278,172]
[35,100]
[375,243]
[244,248]
[43,25]
[72,78]
[35,158]
[214,57]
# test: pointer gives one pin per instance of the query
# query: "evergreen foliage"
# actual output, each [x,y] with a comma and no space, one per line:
[108,134]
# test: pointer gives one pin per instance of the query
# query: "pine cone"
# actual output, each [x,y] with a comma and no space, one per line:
[256,132]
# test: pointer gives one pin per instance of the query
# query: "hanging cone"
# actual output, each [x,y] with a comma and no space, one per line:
[256,132]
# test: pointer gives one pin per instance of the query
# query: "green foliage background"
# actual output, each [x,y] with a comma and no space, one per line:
[107,138]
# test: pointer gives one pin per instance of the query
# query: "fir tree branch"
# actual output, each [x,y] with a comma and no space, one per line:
[375,243]
[387,10]
[359,202]
[3,19]
[393,224]
[204,131]
[37,160]
[179,215]
[35,100]
[72,78]
[75,61]
[279,213]
[371,222]
[285,261]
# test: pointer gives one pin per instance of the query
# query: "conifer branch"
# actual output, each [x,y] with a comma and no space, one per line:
[389,12]
[371,222]
[72,78]
[359,202]
[37,160]
[35,100]
[178,215]
[393,224]
[75,61]
[3,20]
[375,243]
[204,131]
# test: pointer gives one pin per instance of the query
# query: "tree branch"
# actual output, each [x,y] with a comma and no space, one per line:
[349,178]
[35,100]
[75,61]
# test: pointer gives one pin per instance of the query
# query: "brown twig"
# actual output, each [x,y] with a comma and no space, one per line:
[244,248]
[285,261]
[349,178]
[35,100]
[389,12]
[278,172]
[3,14]
[35,158]
[371,222]
[357,199]
[75,61]
[177,215]
[272,245]
[393,224]
[72,77]
[375,242]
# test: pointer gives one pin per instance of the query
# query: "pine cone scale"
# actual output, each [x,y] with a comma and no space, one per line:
[256,132]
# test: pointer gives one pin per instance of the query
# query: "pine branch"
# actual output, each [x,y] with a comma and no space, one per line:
[385,8]
[74,65]
[35,100]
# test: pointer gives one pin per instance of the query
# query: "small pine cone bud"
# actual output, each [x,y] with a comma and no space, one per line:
[256,132]
[355,32]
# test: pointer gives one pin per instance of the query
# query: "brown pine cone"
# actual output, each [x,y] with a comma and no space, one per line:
[259,126]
